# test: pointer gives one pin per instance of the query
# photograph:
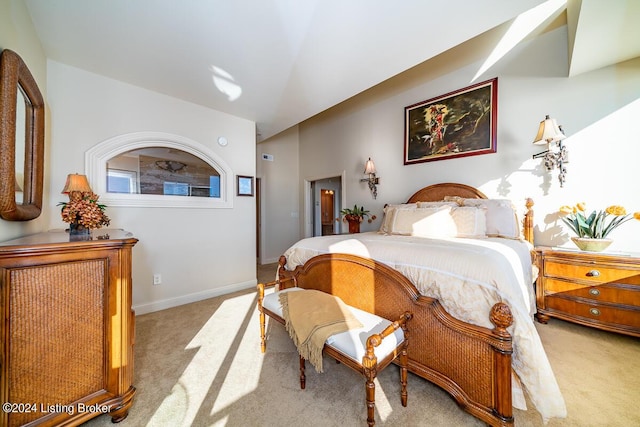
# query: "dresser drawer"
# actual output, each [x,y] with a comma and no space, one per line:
[612,293]
[598,290]
[594,273]
[595,312]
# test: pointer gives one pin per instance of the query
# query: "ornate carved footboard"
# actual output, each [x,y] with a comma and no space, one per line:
[472,363]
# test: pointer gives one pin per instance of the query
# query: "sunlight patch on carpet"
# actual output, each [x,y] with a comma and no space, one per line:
[383,405]
[220,361]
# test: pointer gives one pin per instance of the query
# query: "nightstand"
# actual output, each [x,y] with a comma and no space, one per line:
[601,290]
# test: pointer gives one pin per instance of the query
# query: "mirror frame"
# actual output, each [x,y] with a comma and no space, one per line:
[14,76]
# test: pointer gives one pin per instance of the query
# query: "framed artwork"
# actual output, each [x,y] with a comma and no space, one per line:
[245,185]
[457,124]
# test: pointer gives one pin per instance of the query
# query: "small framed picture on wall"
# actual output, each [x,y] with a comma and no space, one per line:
[245,185]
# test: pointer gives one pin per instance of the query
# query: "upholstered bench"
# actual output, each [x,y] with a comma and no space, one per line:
[367,349]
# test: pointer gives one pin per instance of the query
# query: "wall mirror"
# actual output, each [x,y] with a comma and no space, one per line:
[21,140]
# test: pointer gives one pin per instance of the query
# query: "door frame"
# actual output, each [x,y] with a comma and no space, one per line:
[308,199]
[258,219]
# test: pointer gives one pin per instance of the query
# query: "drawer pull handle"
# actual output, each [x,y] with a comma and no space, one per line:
[594,292]
[594,311]
[593,273]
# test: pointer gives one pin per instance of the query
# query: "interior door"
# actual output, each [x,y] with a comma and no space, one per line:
[326,210]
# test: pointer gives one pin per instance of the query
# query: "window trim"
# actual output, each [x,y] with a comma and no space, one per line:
[96,170]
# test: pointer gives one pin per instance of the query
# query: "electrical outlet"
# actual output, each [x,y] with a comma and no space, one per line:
[157,279]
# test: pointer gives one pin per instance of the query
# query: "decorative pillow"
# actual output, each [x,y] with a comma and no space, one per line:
[424,222]
[389,214]
[502,218]
[470,221]
[436,204]
[454,199]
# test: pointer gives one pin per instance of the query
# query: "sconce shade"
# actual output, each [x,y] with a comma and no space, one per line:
[369,167]
[372,180]
[76,182]
[548,132]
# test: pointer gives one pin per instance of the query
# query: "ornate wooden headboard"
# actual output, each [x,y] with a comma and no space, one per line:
[437,192]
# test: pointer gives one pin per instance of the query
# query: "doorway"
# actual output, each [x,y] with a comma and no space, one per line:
[323,202]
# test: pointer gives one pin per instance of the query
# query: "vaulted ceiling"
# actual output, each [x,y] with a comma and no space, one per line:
[279,62]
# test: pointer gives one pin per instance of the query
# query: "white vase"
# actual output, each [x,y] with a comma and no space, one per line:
[591,245]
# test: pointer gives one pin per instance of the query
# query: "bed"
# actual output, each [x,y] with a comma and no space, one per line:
[482,347]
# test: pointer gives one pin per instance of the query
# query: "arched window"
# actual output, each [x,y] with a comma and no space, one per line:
[158,170]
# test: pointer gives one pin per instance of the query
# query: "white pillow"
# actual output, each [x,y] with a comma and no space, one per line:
[389,214]
[424,222]
[436,204]
[470,221]
[502,219]
[454,199]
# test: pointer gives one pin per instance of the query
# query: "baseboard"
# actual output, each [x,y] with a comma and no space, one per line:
[195,297]
[269,261]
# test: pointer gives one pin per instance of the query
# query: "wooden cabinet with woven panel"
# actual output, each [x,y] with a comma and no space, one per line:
[590,288]
[67,328]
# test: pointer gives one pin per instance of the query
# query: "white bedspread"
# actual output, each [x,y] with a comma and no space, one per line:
[467,276]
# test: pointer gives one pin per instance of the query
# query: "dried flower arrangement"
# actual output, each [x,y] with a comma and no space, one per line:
[84,210]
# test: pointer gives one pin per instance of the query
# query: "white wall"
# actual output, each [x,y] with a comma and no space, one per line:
[597,110]
[199,252]
[280,199]
[18,34]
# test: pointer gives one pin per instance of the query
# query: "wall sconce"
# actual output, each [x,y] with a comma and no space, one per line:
[373,181]
[550,132]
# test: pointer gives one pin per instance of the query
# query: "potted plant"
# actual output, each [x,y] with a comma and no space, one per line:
[354,216]
[592,230]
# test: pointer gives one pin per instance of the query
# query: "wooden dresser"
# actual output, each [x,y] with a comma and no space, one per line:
[67,328]
[590,288]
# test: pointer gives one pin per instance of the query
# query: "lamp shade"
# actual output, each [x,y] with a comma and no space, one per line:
[548,132]
[76,182]
[369,167]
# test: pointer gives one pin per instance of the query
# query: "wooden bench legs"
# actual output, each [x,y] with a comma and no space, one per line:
[368,365]
[403,361]
[371,366]
[370,386]
[303,378]
[263,337]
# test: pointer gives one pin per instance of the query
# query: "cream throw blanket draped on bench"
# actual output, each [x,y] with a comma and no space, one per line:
[313,316]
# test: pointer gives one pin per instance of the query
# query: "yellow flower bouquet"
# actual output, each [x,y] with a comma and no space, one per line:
[598,224]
